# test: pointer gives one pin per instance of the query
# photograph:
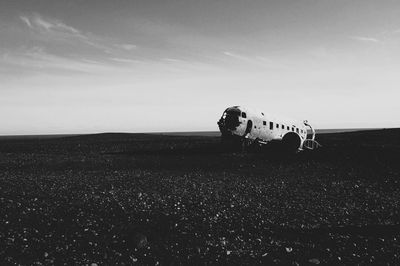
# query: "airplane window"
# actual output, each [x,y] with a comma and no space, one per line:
[264,123]
[297,130]
[293,129]
[283,127]
[244,115]
[288,128]
[277,125]
[271,125]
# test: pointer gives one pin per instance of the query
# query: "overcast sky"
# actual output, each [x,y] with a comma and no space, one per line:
[80,66]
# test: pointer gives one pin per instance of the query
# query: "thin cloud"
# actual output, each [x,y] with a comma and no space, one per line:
[261,62]
[40,23]
[236,56]
[172,60]
[58,31]
[26,21]
[248,59]
[365,39]
[37,58]
[125,60]
[126,46]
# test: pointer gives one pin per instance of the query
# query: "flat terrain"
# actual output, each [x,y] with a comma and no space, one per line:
[172,200]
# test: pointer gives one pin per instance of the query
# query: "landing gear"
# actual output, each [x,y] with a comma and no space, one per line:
[234,143]
[246,143]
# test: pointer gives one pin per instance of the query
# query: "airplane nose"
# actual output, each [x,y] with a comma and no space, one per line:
[229,120]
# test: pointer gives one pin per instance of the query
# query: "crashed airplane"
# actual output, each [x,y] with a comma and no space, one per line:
[239,125]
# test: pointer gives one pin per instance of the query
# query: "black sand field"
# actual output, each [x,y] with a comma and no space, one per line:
[178,200]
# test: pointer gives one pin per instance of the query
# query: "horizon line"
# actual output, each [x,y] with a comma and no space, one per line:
[182,132]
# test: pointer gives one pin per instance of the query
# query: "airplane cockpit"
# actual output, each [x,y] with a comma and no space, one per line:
[230,119]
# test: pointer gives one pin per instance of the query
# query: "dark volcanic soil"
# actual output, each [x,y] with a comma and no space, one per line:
[171,200]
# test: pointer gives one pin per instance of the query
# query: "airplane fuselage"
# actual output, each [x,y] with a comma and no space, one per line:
[259,127]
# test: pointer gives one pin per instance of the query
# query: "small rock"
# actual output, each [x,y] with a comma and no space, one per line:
[139,240]
[314,261]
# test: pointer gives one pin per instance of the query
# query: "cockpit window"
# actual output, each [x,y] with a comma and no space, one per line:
[233,111]
[244,115]
[231,118]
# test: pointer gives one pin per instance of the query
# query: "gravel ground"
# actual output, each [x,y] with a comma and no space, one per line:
[179,200]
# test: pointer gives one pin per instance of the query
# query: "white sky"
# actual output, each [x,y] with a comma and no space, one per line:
[173,65]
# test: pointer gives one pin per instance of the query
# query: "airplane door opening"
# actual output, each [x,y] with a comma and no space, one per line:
[249,127]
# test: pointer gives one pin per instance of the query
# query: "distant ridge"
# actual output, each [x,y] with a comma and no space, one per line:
[44,136]
[182,133]
[191,133]
[341,130]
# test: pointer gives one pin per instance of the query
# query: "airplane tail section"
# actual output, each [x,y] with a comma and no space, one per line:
[310,143]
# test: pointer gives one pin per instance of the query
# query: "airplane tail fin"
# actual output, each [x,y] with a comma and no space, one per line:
[310,144]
